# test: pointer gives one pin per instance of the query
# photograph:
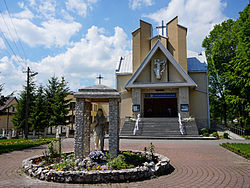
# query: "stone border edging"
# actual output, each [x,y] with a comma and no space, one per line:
[132,174]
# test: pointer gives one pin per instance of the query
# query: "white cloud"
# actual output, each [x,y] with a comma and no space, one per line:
[25,14]
[53,32]
[96,53]
[2,45]
[80,7]
[199,16]
[11,75]
[47,8]
[136,4]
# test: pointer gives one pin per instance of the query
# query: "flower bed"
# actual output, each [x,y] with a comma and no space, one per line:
[81,173]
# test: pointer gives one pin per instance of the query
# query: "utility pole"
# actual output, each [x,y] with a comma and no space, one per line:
[26,127]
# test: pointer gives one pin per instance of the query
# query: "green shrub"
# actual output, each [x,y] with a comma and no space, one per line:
[211,131]
[225,135]
[204,130]
[206,134]
[119,163]
[215,134]
[134,159]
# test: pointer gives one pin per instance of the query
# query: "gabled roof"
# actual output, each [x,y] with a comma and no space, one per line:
[159,45]
[7,103]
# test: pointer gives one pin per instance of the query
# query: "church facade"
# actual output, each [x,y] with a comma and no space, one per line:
[161,78]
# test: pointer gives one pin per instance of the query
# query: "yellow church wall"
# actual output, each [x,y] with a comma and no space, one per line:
[145,36]
[145,75]
[125,106]
[161,38]
[136,49]
[198,100]
[174,75]
[172,33]
[121,81]
[177,42]
[182,48]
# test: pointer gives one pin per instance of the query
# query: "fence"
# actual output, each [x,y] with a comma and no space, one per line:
[233,128]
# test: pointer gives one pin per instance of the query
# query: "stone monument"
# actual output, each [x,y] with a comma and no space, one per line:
[84,97]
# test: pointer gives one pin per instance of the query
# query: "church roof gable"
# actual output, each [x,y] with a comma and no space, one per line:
[159,45]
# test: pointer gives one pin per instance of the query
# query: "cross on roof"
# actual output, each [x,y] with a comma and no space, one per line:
[162,28]
[100,78]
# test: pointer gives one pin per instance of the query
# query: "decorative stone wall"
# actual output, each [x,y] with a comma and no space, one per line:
[148,170]
[82,134]
[113,127]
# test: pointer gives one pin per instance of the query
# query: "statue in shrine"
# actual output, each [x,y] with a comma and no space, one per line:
[99,125]
[160,66]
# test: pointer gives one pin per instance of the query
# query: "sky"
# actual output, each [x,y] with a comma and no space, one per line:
[80,39]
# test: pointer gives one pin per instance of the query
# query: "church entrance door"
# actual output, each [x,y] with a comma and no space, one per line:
[160,107]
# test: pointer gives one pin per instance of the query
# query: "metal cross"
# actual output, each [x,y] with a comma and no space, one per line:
[100,78]
[161,27]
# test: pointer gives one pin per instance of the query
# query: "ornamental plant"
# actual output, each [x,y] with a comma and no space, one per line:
[97,156]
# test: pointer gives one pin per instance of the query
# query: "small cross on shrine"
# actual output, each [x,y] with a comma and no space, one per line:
[162,28]
[100,78]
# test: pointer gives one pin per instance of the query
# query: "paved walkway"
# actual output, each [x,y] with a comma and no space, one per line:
[196,164]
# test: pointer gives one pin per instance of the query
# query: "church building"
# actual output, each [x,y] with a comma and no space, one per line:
[162,80]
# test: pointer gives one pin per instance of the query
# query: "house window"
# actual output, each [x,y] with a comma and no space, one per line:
[13,109]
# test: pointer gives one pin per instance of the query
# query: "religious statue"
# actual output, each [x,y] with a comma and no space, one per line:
[99,125]
[160,66]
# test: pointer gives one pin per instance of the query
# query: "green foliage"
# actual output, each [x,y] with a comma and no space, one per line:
[58,106]
[228,56]
[239,148]
[215,134]
[205,134]
[135,160]
[119,163]
[38,115]
[204,130]
[225,135]
[17,144]
[19,116]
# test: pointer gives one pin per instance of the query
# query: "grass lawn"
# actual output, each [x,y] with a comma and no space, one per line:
[17,144]
[239,148]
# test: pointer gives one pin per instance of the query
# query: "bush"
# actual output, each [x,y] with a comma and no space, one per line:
[119,163]
[204,130]
[206,134]
[3,138]
[225,135]
[134,159]
[215,134]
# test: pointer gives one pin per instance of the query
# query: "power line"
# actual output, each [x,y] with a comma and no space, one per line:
[18,38]
[9,33]
[4,37]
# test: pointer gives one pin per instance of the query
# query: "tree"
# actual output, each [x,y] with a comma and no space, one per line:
[238,75]
[220,48]
[38,115]
[19,116]
[58,106]
[228,55]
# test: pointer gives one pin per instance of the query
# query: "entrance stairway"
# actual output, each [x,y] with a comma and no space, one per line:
[158,127]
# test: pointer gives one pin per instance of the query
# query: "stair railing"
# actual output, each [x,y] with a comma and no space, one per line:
[180,124]
[136,128]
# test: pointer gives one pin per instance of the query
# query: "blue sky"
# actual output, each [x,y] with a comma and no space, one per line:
[79,39]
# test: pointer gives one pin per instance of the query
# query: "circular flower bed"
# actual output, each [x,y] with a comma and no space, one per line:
[94,169]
